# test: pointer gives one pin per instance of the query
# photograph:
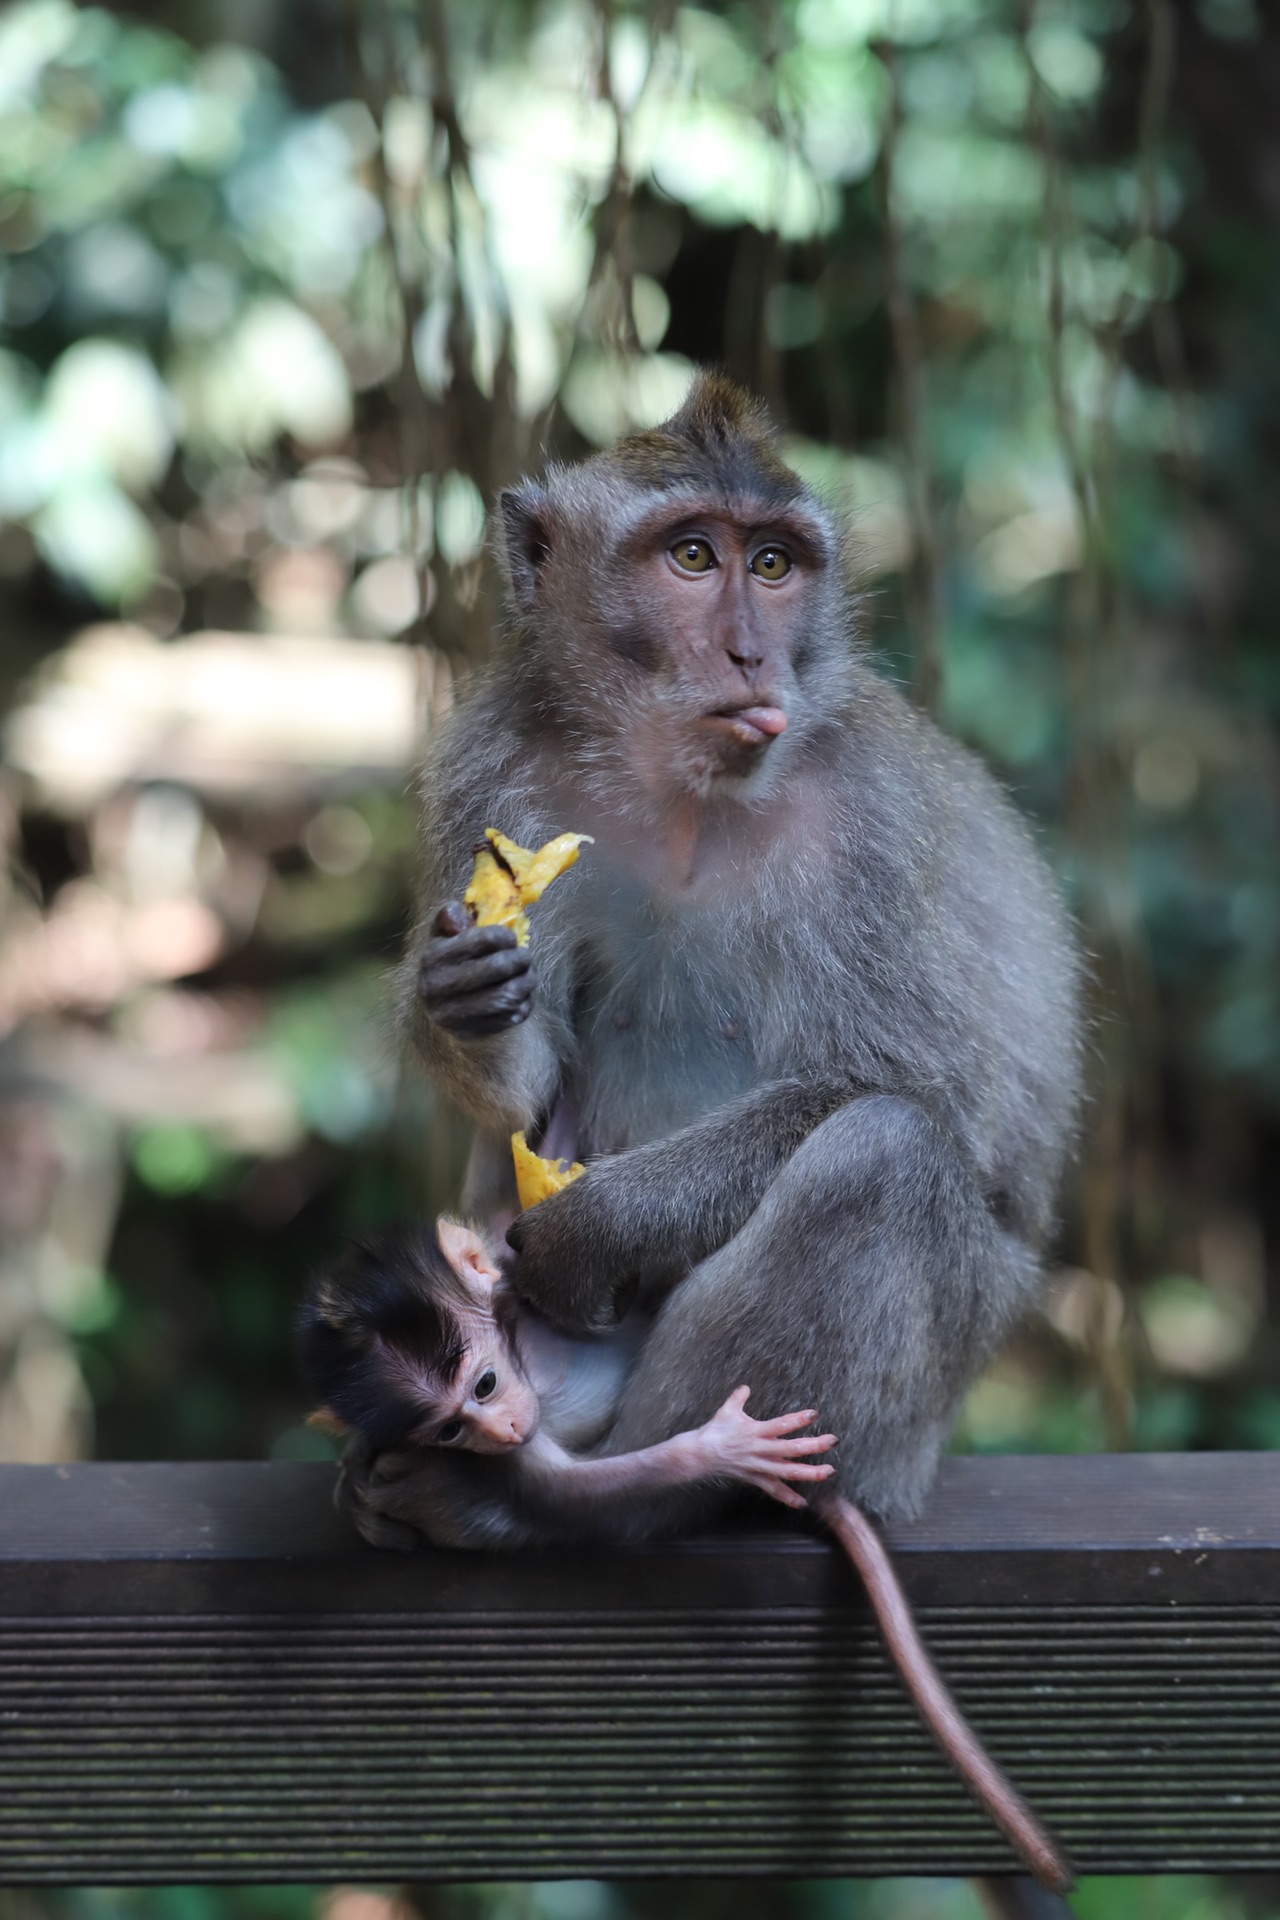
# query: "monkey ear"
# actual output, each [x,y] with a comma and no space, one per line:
[325,1420]
[467,1253]
[526,532]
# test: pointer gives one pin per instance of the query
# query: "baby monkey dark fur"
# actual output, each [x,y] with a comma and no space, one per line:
[808,1006]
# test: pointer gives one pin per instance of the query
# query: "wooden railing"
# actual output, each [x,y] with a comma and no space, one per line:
[204,1676]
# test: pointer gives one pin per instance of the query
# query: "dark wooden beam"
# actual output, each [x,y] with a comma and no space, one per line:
[203,1676]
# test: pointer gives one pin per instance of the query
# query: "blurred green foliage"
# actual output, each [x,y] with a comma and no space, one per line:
[1160,1897]
[286,294]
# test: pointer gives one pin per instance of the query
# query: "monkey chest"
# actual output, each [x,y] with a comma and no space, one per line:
[663,1034]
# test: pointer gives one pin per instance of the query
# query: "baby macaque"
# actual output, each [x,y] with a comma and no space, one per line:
[416,1339]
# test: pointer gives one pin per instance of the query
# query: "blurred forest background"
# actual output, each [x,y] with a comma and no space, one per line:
[288,289]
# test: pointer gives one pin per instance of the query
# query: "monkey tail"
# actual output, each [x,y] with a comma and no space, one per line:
[933,1699]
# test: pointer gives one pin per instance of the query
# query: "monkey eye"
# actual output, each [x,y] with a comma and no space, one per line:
[771,563]
[451,1430]
[693,556]
[485,1384]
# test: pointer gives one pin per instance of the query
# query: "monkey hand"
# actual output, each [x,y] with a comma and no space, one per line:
[759,1453]
[356,1495]
[572,1262]
[473,981]
[415,1496]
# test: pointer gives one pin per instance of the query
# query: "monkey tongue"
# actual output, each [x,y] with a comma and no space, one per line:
[753,726]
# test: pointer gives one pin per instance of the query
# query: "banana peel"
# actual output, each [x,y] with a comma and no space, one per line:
[507,879]
[536,1178]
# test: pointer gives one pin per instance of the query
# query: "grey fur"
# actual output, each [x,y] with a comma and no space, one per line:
[826,1094]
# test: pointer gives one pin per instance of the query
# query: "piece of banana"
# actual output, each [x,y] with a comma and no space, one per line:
[536,1178]
[506,878]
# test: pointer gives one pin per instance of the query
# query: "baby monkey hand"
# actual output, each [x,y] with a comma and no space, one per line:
[758,1453]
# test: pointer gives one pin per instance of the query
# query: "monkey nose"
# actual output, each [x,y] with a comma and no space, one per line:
[743,654]
[501,1429]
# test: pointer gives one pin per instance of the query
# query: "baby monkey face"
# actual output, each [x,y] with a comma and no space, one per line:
[489,1406]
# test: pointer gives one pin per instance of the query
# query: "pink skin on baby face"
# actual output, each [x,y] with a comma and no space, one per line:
[489,1407]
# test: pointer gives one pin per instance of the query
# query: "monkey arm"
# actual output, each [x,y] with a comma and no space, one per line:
[637,1213]
[540,1492]
[502,1071]
[489,1185]
[731,1446]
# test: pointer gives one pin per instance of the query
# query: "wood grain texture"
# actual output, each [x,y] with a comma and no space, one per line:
[203,1676]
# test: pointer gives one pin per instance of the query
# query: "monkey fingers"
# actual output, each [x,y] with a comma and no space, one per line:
[483,1015]
[451,918]
[392,1464]
[476,982]
[758,1452]
[453,975]
[351,1497]
[470,943]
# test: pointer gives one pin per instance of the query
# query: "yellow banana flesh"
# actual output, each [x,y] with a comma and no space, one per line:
[537,1178]
[506,878]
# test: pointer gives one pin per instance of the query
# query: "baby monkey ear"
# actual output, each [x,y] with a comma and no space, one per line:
[324,1420]
[468,1253]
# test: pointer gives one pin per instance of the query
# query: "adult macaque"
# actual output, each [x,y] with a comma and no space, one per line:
[809,1009]
[415,1338]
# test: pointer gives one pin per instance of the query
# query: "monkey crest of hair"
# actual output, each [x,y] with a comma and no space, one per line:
[721,440]
[386,1318]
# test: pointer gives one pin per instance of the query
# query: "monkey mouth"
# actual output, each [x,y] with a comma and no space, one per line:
[750,726]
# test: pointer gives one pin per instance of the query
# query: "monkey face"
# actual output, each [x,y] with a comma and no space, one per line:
[489,1407]
[409,1338]
[717,602]
[485,1404]
[679,601]
[730,596]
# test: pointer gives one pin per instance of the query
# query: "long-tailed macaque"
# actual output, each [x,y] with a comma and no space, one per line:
[414,1338]
[808,1010]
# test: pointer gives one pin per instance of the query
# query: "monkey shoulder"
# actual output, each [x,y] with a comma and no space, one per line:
[951,959]
[932,822]
[1002,968]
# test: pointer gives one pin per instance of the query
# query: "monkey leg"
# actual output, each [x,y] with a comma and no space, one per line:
[871,1282]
